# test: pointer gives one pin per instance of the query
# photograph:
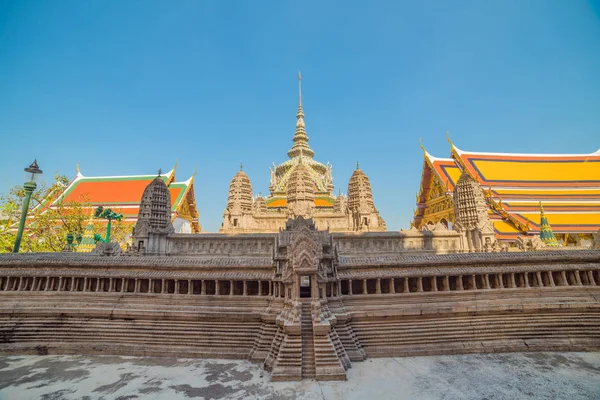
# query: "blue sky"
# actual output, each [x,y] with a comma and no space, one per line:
[126,87]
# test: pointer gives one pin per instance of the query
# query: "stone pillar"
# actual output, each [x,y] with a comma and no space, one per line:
[538,278]
[459,284]
[260,288]
[526,279]
[34,282]
[217,291]
[111,283]
[314,286]
[21,279]
[474,282]
[433,283]
[591,279]
[487,281]
[162,286]
[231,288]
[245,290]
[513,284]
[420,284]
[364,285]
[551,278]
[378,286]
[45,286]
[565,281]
[136,286]
[499,281]
[392,285]
[577,278]
[85,284]
[60,283]
[446,283]
[203,287]
[177,287]
[406,289]
[349,287]
[190,288]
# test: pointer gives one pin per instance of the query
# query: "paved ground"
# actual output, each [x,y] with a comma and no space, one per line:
[497,376]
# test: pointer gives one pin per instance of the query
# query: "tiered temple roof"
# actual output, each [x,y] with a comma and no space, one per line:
[514,184]
[123,194]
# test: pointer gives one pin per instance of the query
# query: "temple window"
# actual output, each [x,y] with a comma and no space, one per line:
[427,285]
[196,287]
[440,283]
[252,288]
[357,286]
[170,286]
[210,287]
[371,286]
[412,284]
[225,287]
[345,285]
[183,287]
[398,283]
[385,286]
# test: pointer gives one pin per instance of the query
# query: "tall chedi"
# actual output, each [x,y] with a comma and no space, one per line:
[301,186]
[546,233]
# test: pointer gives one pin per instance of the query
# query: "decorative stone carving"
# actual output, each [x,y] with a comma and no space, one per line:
[596,243]
[111,249]
[530,243]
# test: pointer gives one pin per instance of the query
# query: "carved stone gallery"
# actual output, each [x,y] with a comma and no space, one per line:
[306,303]
[303,282]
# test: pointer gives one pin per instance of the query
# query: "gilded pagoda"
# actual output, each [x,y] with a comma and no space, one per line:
[301,186]
[513,187]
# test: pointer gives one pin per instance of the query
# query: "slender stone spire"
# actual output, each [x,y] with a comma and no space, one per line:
[546,233]
[300,138]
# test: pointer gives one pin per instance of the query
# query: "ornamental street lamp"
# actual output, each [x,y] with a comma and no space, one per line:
[110,215]
[31,175]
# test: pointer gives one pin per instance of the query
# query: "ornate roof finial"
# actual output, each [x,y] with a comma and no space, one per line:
[357,165]
[448,139]
[300,138]
[299,90]
[546,233]
[241,166]
[77,168]
[159,171]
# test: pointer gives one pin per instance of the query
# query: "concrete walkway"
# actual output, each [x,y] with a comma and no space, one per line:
[496,376]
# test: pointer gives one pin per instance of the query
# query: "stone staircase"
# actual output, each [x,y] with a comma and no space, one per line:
[308,347]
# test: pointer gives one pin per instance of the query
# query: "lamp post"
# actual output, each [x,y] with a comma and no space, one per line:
[31,174]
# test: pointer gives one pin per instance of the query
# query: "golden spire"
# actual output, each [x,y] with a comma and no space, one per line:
[300,138]
[299,90]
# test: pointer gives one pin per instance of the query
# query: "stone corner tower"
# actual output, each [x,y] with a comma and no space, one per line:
[471,215]
[154,218]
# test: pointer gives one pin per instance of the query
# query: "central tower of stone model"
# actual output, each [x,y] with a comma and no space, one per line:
[303,187]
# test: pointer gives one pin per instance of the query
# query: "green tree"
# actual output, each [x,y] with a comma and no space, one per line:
[49,218]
